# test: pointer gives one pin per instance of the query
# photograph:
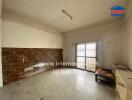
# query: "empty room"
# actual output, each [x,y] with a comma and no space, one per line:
[65,49]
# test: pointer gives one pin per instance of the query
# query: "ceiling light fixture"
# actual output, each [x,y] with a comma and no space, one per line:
[67,14]
[53,22]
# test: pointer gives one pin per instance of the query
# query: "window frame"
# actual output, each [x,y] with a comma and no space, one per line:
[96,57]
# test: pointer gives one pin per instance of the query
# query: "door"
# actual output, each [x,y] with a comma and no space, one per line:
[91,57]
[80,59]
[86,56]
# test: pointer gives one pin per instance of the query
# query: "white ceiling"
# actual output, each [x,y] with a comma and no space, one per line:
[84,12]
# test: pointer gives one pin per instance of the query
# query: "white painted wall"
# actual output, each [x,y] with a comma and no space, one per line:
[22,36]
[127,54]
[1,79]
[109,36]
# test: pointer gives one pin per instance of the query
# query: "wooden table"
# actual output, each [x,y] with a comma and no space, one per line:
[106,74]
[124,84]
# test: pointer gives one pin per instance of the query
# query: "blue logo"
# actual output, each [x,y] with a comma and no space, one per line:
[118,11]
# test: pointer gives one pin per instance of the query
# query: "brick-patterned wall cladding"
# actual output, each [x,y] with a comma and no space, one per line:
[16,60]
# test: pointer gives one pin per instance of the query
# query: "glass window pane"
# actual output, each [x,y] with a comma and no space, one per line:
[81,50]
[81,62]
[90,64]
[91,50]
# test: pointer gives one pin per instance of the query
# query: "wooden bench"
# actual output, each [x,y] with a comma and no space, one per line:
[106,76]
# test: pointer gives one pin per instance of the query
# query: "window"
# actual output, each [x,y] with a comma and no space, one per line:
[86,56]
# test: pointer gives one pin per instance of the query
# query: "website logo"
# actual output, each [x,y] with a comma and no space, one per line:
[118,11]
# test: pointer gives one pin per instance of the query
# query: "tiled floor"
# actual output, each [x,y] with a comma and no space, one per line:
[62,84]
